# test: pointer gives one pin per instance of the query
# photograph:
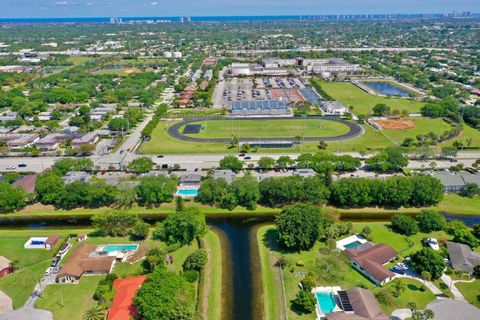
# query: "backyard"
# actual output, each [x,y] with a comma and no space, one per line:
[299,263]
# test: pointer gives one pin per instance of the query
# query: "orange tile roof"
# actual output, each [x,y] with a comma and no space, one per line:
[122,307]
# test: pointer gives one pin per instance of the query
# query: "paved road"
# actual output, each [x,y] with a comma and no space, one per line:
[354,130]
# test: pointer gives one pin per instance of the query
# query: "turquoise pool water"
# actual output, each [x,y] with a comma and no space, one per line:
[187,192]
[326,301]
[353,245]
[127,247]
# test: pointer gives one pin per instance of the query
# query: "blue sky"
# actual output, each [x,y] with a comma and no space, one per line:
[109,8]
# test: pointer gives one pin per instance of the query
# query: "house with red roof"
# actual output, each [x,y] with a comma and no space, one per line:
[123,307]
[369,259]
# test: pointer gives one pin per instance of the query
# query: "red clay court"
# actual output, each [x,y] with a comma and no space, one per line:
[122,307]
[287,95]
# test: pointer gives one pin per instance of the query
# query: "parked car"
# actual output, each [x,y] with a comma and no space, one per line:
[433,243]
[160,156]
[22,165]
[248,158]
[48,271]
[241,155]
[11,167]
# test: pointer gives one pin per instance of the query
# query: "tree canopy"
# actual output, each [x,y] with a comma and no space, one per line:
[300,226]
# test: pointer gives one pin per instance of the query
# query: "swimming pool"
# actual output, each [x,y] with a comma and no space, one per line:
[187,192]
[326,301]
[352,245]
[123,247]
[387,89]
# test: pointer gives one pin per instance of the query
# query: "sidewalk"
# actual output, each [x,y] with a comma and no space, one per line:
[451,285]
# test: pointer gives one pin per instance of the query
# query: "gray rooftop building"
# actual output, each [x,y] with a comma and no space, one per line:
[260,108]
[73,176]
[455,182]
[462,257]
[228,175]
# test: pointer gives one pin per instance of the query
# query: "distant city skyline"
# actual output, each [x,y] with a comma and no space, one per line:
[164,8]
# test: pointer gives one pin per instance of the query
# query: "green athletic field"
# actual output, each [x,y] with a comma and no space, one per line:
[363,102]
[275,128]
[423,126]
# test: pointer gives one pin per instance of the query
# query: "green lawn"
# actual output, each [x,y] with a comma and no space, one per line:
[162,143]
[214,308]
[422,126]
[453,203]
[471,291]
[411,293]
[270,252]
[287,128]
[272,290]
[80,60]
[370,140]
[468,133]
[363,102]
[32,262]
[19,285]
[76,298]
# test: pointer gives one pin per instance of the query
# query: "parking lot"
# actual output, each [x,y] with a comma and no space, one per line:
[249,89]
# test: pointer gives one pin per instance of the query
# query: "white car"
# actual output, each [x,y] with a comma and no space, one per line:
[433,243]
[49,271]
[11,167]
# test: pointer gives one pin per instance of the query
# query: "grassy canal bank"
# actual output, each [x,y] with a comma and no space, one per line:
[451,204]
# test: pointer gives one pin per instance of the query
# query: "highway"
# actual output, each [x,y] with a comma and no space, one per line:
[193,161]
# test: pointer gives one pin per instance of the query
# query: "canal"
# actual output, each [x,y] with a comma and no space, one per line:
[242,282]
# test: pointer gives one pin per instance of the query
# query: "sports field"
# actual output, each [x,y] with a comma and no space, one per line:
[416,126]
[363,102]
[275,128]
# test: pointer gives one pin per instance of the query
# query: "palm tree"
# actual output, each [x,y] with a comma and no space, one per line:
[94,313]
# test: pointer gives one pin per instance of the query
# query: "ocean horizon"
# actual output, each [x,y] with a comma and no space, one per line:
[225,18]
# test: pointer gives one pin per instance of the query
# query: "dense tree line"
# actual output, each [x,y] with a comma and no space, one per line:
[277,192]
[419,190]
[325,162]
[50,188]
[159,113]
[243,191]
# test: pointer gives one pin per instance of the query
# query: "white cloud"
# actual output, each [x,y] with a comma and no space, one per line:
[61,3]
[154,3]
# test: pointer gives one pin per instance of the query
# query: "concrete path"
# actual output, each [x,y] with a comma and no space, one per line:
[433,288]
[451,285]
[401,314]
[5,303]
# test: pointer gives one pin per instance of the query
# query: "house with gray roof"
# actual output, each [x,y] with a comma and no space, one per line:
[228,175]
[454,182]
[73,176]
[462,257]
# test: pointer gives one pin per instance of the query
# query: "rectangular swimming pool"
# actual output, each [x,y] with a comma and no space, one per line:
[387,89]
[187,192]
[123,247]
[352,245]
[326,301]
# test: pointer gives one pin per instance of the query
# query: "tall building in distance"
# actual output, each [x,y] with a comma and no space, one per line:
[181,20]
[189,19]
[116,20]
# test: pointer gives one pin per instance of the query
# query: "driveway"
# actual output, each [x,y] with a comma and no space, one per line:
[451,284]
[448,309]
[5,303]
[28,313]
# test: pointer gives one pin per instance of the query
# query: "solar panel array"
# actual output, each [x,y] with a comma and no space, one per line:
[259,105]
[345,301]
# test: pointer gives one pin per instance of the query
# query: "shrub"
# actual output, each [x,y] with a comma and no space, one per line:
[404,224]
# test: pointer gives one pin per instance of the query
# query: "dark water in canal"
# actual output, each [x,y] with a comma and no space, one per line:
[242,283]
